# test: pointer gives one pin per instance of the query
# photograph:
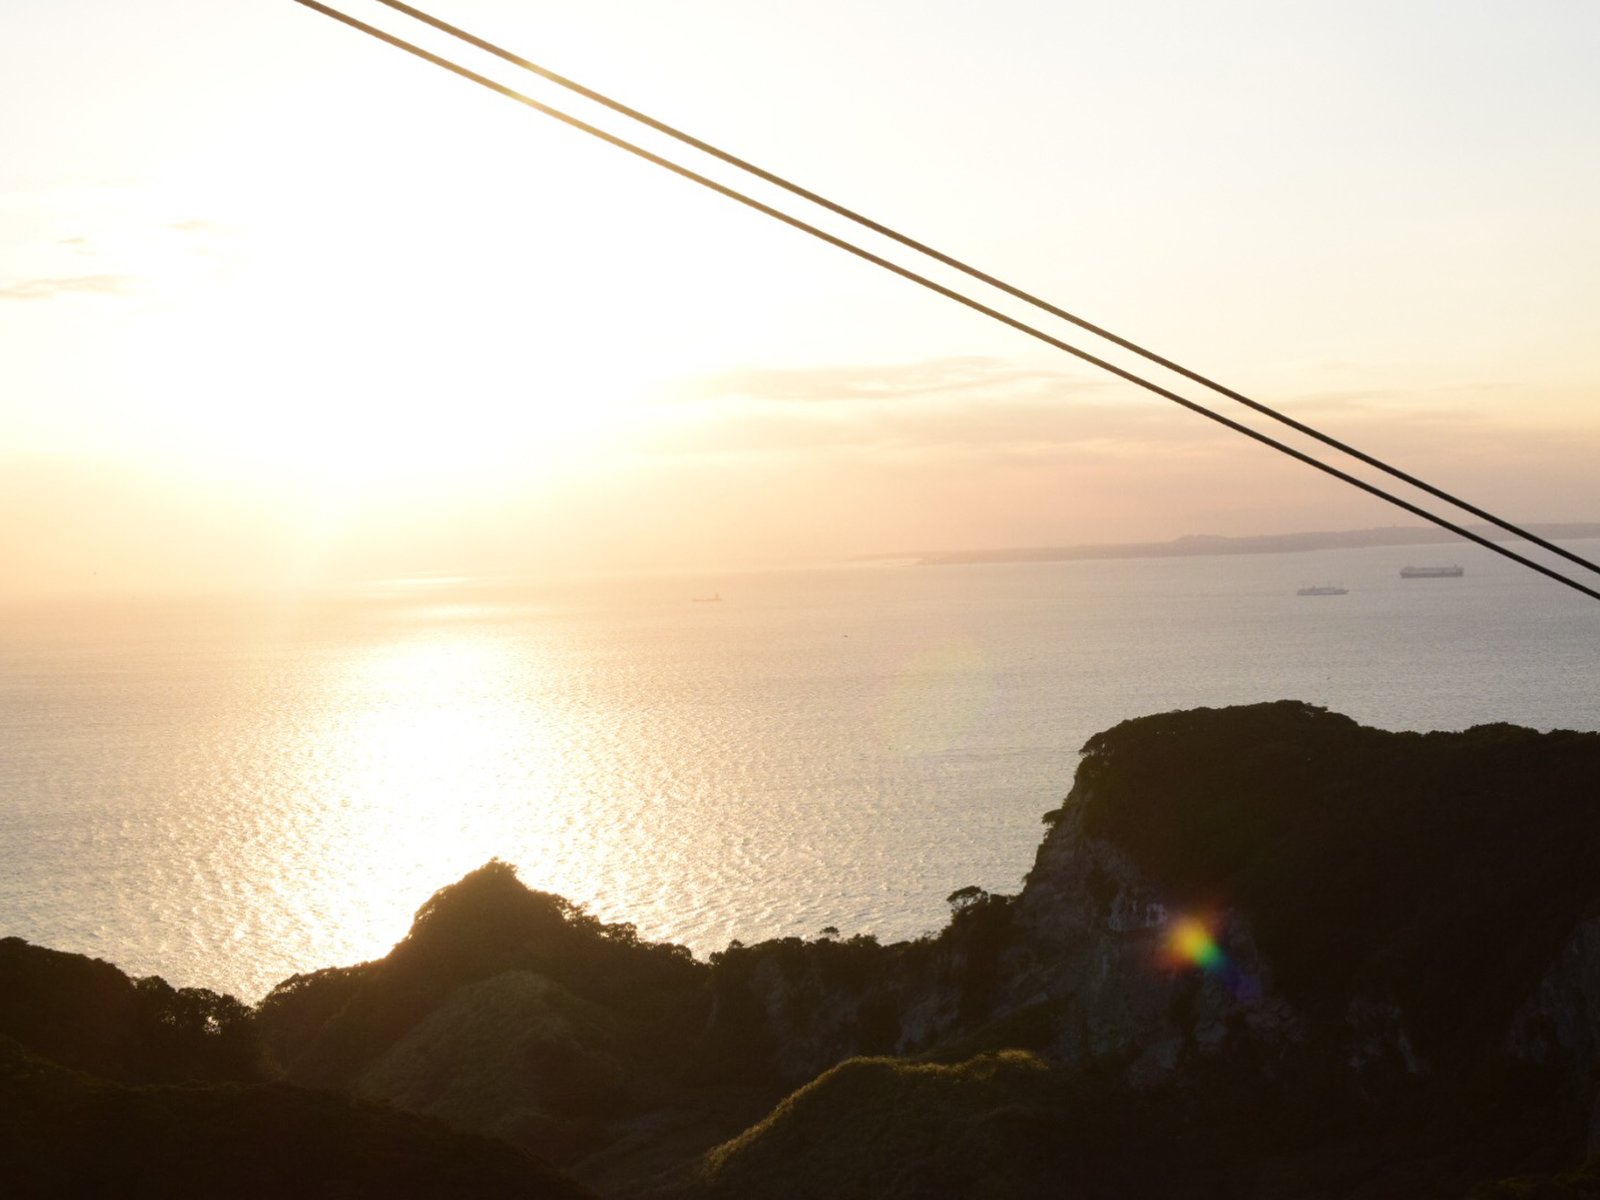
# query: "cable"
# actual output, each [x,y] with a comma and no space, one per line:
[949,293]
[974,273]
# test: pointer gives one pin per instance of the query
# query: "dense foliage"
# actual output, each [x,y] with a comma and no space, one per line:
[85,1013]
[1443,870]
[117,1087]
[327,1026]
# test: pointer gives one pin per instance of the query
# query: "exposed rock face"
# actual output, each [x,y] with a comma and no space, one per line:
[1401,894]
[790,1009]
[1374,1038]
[1560,1023]
[1095,939]
[1559,1026]
[1081,966]
[1340,887]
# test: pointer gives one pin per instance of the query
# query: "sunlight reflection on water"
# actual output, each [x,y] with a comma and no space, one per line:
[226,794]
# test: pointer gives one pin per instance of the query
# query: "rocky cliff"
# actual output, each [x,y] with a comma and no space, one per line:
[1273,875]
[1368,961]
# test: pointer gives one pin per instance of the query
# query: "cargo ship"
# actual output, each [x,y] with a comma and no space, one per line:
[1450,572]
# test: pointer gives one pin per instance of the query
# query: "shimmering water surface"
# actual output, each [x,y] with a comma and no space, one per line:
[226,793]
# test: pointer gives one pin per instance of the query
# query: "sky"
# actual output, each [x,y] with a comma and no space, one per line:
[281,307]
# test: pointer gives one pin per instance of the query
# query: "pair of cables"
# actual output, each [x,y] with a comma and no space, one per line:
[957,295]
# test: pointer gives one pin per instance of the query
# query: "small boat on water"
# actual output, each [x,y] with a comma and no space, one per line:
[1323,589]
[714,598]
[1450,572]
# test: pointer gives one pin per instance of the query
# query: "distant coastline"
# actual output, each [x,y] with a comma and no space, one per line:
[1197,545]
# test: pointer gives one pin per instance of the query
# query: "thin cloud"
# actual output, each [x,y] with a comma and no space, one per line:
[893,381]
[1343,400]
[1031,423]
[68,285]
[1388,403]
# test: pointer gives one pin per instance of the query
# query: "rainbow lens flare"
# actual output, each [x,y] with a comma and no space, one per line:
[1190,941]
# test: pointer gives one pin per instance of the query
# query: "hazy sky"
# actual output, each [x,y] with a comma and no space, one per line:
[278,304]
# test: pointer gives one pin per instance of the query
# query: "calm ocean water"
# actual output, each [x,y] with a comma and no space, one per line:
[226,793]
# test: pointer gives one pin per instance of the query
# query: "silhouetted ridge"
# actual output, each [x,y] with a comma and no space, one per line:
[84,1013]
[504,1009]
[1442,869]
[328,1025]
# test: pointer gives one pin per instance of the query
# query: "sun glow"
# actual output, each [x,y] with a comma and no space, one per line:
[346,296]
[434,760]
[361,296]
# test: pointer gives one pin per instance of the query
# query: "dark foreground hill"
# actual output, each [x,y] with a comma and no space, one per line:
[120,1088]
[1263,952]
[63,1133]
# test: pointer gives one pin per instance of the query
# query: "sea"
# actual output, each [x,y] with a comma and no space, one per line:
[226,792]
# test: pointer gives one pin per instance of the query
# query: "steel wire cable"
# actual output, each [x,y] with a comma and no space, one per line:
[975,273]
[868,256]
